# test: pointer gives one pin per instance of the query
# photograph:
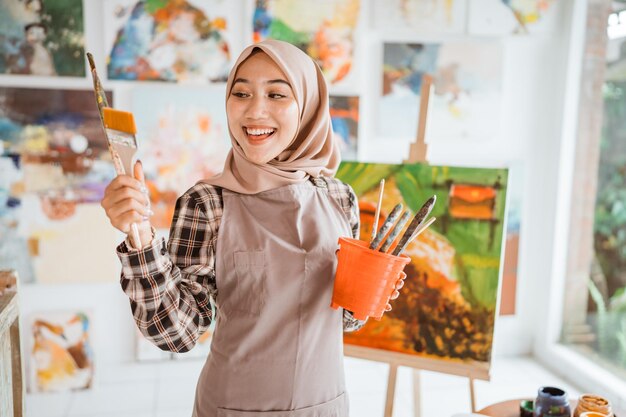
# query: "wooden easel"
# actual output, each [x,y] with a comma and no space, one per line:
[470,370]
[417,153]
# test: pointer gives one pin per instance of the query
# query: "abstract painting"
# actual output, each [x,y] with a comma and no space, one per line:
[447,306]
[324,29]
[57,139]
[68,242]
[182,138]
[504,17]
[344,113]
[57,167]
[61,355]
[42,37]
[168,40]
[429,17]
[467,85]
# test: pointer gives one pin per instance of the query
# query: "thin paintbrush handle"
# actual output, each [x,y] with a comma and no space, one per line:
[422,228]
[395,231]
[101,98]
[381,190]
[417,232]
[393,216]
[423,212]
[135,232]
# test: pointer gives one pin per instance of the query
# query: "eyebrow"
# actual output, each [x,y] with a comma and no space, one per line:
[276,81]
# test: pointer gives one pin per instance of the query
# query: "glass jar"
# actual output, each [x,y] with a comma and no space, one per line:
[551,402]
[593,402]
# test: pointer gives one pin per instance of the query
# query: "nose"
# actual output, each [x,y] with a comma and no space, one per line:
[257,108]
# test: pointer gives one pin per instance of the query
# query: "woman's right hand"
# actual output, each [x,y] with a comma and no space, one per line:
[126,201]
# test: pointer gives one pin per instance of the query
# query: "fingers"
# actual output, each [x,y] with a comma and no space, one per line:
[122,181]
[139,176]
[117,196]
[126,205]
[123,222]
[396,291]
[126,200]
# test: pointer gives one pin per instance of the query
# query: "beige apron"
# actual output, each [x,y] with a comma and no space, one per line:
[277,349]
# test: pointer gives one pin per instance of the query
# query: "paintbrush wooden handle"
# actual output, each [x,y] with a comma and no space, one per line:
[393,216]
[423,212]
[417,232]
[381,190]
[395,231]
[101,98]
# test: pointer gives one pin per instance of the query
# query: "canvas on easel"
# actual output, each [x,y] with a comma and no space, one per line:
[444,319]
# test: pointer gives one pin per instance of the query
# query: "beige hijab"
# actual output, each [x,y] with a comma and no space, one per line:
[313,152]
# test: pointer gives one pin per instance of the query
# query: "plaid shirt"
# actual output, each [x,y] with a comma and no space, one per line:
[171,287]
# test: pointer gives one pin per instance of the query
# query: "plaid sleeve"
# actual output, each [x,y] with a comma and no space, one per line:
[170,286]
[347,199]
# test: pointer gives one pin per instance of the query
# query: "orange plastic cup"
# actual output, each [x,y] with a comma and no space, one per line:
[365,278]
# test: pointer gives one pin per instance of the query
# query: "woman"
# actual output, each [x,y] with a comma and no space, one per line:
[260,241]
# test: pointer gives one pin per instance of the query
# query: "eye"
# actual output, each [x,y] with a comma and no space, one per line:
[240,94]
[277,95]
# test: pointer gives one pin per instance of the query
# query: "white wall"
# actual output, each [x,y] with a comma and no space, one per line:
[534,73]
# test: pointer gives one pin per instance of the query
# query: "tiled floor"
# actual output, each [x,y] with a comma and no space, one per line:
[167,390]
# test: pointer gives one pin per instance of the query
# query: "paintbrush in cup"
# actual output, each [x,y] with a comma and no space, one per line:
[381,190]
[395,231]
[415,234]
[420,216]
[389,221]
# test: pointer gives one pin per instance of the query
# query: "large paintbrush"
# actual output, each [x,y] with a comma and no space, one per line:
[119,130]
[389,221]
[421,215]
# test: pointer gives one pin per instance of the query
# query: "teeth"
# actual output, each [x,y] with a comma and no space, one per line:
[257,132]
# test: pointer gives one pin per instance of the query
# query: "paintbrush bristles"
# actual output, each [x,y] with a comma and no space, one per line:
[119,120]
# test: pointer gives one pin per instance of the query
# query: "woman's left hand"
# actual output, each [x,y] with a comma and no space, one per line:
[396,291]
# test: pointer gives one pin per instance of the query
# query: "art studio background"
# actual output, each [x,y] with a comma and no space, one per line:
[506,158]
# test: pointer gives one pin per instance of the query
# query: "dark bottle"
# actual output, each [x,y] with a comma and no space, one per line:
[552,402]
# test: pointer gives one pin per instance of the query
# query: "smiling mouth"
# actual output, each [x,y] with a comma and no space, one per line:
[258,134]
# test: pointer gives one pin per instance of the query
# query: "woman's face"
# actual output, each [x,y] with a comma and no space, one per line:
[262,109]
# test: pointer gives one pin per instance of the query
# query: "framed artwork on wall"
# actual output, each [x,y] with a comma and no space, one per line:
[42,37]
[327,30]
[183,138]
[177,41]
[433,17]
[61,356]
[60,165]
[465,102]
[344,113]
[508,17]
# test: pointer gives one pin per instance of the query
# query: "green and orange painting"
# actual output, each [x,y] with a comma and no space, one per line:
[447,307]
